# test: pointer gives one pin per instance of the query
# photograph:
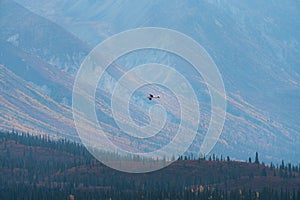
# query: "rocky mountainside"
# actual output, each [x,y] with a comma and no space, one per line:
[254,44]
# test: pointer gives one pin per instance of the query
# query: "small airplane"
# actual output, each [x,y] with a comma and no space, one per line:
[151,96]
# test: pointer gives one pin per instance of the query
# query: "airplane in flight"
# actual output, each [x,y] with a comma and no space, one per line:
[151,96]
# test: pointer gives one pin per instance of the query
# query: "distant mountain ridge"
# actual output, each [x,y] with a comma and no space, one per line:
[40,37]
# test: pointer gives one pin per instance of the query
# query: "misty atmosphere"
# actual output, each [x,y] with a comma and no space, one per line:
[149,99]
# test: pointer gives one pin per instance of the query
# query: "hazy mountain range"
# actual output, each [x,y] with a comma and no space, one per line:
[254,44]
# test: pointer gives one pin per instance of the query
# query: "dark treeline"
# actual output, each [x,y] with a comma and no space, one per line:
[36,167]
[28,192]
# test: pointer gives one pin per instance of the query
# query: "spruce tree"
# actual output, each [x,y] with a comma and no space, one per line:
[256,158]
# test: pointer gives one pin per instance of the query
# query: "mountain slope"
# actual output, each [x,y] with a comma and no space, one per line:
[255,47]
[23,106]
[43,38]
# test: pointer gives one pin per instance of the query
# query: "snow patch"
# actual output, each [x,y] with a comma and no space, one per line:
[44,89]
[14,40]
[218,23]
